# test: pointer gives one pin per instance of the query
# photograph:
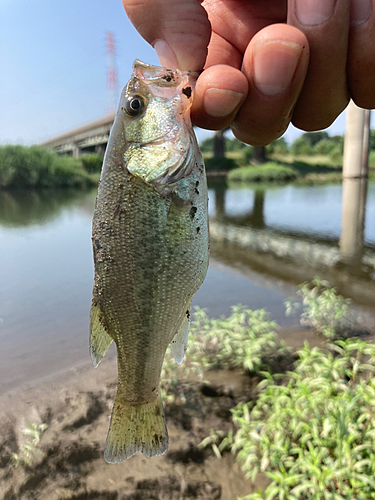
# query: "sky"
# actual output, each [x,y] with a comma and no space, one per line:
[53,66]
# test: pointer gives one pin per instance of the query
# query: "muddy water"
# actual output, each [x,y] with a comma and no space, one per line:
[264,242]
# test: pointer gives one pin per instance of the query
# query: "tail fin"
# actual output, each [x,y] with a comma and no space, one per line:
[135,428]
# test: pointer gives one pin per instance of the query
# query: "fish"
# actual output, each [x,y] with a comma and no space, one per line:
[151,247]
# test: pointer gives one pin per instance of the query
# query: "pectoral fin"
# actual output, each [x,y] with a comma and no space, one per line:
[99,338]
[180,340]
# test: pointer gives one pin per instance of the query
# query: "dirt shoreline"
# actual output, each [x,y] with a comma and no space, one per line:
[76,407]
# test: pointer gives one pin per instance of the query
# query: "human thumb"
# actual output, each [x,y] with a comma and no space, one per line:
[179,30]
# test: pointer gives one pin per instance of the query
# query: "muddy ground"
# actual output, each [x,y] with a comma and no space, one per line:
[76,407]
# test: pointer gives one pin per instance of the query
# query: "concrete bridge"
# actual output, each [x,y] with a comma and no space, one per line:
[88,138]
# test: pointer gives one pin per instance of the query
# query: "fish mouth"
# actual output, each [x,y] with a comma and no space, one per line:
[161,76]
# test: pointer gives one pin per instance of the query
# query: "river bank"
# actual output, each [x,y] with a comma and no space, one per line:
[38,168]
[53,432]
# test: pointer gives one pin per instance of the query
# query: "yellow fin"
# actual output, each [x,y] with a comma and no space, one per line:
[180,340]
[99,338]
[135,428]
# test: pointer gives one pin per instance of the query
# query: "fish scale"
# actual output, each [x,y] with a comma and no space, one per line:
[150,245]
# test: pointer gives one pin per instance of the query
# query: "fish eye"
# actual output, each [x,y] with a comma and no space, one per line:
[134,105]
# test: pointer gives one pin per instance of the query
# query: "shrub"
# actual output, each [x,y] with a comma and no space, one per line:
[336,155]
[247,155]
[268,172]
[278,147]
[244,340]
[25,167]
[371,159]
[92,163]
[313,436]
[301,147]
[220,164]
[325,147]
[322,308]
[29,450]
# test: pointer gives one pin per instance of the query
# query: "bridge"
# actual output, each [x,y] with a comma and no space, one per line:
[88,138]
[293,257]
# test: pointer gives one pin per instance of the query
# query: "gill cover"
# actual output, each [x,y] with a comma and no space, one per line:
[155,104]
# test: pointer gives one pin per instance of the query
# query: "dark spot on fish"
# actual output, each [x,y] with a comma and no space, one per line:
[188,314]
[193,211]
[198,229]
[167,78]
[157,411]
[196,190]
[187,91]
[197,184]
[101,224]
[97,244]
[121,185]
[154,389]
[157,439]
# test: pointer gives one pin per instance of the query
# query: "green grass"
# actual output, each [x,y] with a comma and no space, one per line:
[302,169]
[268,172]
[37,167]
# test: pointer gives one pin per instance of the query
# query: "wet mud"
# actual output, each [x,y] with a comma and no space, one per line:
[70,465]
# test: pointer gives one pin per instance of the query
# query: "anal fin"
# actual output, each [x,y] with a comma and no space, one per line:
[180,340]
[99,338]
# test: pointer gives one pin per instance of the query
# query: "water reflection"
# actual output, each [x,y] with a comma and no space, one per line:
[354,194]
[21,208]
[293,233]
[262,240]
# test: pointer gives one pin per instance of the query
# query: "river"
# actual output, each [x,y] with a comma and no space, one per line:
[264,242]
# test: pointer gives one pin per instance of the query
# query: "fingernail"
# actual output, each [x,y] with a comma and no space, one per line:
[165,54]
[360,11]
[312,12]
[221,102]
[275,64]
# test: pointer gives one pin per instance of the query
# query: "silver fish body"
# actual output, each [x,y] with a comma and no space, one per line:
[150,244]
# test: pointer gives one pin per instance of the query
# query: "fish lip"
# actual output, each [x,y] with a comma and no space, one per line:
[160,69]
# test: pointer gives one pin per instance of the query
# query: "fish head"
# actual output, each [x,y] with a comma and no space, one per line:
[155,112]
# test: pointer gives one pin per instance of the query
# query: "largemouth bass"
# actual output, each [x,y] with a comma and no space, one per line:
[150,244]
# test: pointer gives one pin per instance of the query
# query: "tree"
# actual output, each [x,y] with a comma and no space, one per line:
[313,137]
[259,155]
[219,145]
[279,147]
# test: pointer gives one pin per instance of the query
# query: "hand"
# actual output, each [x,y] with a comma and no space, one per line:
[268,62]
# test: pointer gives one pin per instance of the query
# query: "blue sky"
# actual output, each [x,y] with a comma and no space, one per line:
[53,65]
